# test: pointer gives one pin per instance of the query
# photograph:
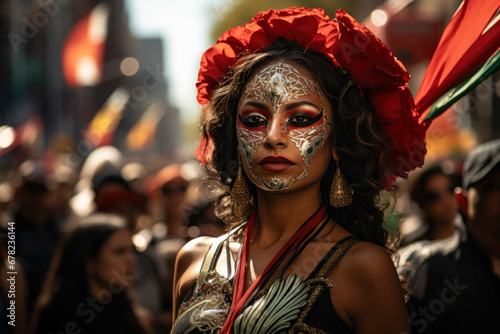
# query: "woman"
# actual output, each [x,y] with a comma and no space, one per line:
[87,288]
[300,117]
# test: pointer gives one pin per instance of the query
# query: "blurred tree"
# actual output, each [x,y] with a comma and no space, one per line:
[232,13]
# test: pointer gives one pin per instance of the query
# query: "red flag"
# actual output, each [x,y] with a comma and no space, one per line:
[470,38]
[83,49]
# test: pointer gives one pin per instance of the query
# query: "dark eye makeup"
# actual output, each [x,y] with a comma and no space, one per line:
[303,119]
[252,120]
[297,120]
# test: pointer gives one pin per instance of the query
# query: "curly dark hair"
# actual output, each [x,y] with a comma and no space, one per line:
[355,135]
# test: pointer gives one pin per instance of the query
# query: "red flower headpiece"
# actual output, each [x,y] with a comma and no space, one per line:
[381,77]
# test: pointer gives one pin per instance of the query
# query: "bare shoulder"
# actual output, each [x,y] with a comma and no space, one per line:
[369,269]
[194,249]
[368,261]
[368,294]
[187,267]
[190,258]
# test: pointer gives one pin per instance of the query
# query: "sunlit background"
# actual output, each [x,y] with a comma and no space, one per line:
[77,75]
[98,113]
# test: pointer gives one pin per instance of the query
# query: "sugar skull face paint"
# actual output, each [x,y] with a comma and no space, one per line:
[278,83]
[280,101]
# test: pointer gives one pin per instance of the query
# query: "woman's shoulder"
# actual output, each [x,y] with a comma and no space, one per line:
[195,248]
[364,269]
[193,253]
[187,266]
[362,258]
[368,261]
[366,286]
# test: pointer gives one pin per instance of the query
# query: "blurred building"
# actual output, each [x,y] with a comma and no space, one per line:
[148,87]
[32,81]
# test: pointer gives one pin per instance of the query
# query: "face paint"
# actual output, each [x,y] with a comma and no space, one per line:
[248,142]
[310,141]
[277,84]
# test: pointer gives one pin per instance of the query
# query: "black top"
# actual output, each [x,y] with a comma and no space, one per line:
[89,316]
[457,289]
[316,316]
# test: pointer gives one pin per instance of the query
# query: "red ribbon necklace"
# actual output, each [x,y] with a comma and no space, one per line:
[238,298]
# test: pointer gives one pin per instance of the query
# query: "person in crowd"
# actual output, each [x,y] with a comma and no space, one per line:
[63,179]
[88,287]
[304,126]
[114,195]
[168,189]
[37,233]
[101,161]
[13,287]
[201,197]
[438,216]
[456,281]
[201,217]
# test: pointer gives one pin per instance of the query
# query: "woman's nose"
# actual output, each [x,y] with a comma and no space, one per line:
[276,134]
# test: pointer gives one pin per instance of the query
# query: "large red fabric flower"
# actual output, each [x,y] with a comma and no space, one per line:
[384,82]
[369,62]
[309,27]
[398,120]
[381,78]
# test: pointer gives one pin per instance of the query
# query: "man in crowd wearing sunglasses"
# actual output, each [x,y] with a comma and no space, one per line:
[432,190]
[456,280]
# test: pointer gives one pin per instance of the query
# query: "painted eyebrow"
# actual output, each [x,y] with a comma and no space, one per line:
[301,103]
[256,104]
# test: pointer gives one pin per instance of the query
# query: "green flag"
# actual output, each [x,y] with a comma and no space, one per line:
[453,95]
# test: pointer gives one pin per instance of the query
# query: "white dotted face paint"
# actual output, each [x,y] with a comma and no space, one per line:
[278,92]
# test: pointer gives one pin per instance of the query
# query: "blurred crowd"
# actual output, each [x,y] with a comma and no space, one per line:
[95,247]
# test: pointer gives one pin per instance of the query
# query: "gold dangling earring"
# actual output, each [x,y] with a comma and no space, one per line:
[240,195]
[340,192]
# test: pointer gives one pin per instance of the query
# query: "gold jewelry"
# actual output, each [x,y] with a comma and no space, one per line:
[340,192]
[240,195]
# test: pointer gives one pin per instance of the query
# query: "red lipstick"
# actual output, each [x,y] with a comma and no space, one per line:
[275,164]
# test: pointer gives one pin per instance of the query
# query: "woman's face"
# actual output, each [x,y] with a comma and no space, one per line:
[283,124]
[116,262]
